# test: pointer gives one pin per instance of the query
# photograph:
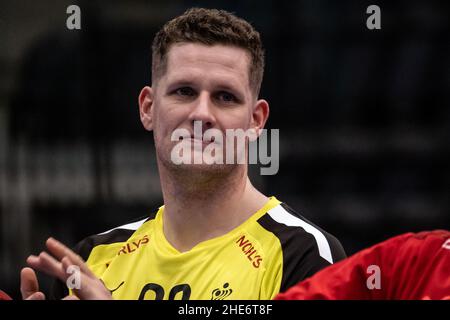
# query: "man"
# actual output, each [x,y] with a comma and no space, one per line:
[216,237]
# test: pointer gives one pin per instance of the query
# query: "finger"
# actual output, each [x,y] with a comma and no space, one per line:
[47,264]
[82,288]
[90,288]
[28,282]
[60,251]
[71,297]
[37,296]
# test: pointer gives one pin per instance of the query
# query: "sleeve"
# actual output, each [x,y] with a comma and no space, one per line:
[305,247]
[341,281]
[304,259]
[4,296]
[409,266]
[422,267]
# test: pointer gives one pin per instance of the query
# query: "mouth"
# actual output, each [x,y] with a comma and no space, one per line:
[194,139]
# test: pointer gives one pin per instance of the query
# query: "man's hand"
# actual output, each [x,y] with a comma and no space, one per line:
[29,286]
[90,288]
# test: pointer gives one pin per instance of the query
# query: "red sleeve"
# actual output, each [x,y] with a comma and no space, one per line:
[4,296]
[409,266]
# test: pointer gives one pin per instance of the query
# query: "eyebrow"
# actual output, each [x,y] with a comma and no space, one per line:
[219,86]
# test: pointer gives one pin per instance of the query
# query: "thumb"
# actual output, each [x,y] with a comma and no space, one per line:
[36,296]
[28,283]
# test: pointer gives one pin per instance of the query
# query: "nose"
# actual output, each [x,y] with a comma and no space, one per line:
[202,111]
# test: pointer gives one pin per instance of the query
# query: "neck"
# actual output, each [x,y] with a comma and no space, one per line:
[206,206]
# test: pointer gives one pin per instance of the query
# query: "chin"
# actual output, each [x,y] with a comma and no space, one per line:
[212,169]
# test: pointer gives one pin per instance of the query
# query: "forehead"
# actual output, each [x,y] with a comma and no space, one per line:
[194,59]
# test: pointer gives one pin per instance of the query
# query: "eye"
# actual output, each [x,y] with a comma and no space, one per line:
[185,91]
[226,97]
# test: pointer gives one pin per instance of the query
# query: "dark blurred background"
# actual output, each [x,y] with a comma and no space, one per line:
[364,117]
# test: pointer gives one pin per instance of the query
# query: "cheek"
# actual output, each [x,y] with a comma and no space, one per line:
[167,119]
[237,120]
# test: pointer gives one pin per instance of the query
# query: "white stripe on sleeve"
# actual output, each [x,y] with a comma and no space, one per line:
[280,215]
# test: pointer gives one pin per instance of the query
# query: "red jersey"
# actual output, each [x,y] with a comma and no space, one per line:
[409,266]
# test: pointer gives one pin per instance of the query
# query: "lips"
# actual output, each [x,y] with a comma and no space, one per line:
[198,141]
[195,140]
[192,138]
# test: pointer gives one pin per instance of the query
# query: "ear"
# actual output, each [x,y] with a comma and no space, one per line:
[146,107]
[260,115]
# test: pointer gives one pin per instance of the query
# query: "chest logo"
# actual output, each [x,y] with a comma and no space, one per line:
[132,246]
[221,294]
[249,251]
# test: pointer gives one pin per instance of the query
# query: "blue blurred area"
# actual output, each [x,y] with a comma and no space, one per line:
[364,117]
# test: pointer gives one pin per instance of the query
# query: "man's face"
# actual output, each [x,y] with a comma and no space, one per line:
[202,83]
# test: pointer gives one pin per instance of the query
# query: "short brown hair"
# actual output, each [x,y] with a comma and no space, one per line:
[209,26]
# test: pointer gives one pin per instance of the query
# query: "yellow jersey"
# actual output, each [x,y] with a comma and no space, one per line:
[271,251]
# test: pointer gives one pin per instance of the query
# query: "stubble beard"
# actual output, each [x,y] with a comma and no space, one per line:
[196,177]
